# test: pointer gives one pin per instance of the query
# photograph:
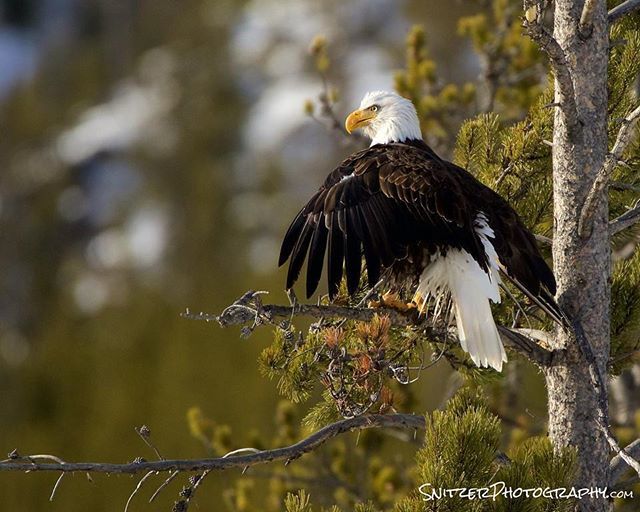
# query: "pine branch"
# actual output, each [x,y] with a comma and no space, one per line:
[626,220]
[287,453]
[249,309]
[623,9]
[624,138]
[533,24]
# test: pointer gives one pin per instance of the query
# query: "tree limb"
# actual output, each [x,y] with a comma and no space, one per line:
[287,453]
[249,309]
[619,185]
[534,26]
[600,388]
[626,220]
[621,10]
[625,135]
[618,465]
[544,240]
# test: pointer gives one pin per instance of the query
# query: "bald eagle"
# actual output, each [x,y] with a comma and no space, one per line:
[425,226]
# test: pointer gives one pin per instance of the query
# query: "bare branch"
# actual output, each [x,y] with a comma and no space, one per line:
[625,135]
[248,309]
[623,456]
[600,388]
[621,10]
[287,453]
[534,27]
[619,185]
[545,240]
[618,465]
[585,27]
[626,220]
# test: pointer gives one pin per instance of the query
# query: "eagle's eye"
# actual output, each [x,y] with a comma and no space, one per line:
[374,108]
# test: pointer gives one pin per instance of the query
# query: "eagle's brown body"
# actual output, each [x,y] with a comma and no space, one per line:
[425,225]
[398,204]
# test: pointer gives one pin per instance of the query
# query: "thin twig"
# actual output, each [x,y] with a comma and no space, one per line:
[402,421]
[600,183]
[145,434]
[503,175]
[163,485]
[328,112]
[138,487]
[620,10]
[55,487]
[197,481]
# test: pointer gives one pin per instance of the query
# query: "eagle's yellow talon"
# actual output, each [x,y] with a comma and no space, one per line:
[393,301]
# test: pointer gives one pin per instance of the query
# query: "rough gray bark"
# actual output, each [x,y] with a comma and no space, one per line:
[582,265]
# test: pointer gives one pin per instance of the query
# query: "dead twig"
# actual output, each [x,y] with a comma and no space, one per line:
[145,434]
[545,240]
[168,480]
[138,487]
[189,492]
[55,486]
[626,220]
[601,181]
[623,9]
[618,465]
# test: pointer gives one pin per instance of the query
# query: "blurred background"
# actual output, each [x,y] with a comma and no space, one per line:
[152,154]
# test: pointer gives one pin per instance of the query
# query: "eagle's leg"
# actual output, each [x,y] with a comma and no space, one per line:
[392,300]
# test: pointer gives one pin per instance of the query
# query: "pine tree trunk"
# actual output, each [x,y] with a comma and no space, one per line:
[582,266]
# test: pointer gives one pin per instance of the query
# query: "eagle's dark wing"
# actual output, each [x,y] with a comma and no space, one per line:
[514,243]
[384,199]
[520,259]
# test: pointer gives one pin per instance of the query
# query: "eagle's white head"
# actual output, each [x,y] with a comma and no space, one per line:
[385,117]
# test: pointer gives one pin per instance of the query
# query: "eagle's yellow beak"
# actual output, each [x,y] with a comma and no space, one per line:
[358,119]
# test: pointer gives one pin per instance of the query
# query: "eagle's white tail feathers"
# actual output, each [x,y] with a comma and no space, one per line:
[470,288]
